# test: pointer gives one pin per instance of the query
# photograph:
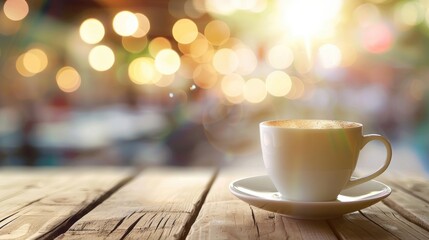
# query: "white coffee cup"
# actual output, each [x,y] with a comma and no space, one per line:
[313,160]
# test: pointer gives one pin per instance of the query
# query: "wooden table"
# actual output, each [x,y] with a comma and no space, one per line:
[182,203]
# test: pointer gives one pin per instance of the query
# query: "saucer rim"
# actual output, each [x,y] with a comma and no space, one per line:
[380,196]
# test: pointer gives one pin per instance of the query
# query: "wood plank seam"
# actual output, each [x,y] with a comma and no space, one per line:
[67,223]
[254,221]
[401,228]
[334,230]
[409,192]
[374,222]
[198,207]
[406,213]
[131,227]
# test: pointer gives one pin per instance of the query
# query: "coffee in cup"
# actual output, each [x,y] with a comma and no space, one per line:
[313,160]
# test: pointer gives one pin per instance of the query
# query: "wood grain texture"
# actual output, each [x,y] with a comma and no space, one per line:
[36,203]
[411,205]
[394,223]
[223,216]
[158,204]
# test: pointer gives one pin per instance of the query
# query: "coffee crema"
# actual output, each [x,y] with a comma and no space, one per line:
[311,124]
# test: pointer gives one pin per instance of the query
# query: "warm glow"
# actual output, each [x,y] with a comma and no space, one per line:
[366,14]
[217,32]
[280,57]
[35,60]
[377,38]
[143,26]
[68,79]
[193,10]
[165,80]
[167,61]
[15,10]
[247,61]
[142,71]
[134,45]
[158,44]
[225,61]
[205,76]
[207,56]
[254,90]
[20,67]
[227,7]
[307,18]
[232,85]
[91,31]
[101,58]
[185,31]
[8,27]
[187,66]
[278,83]
[409,13]
[297,90]
[125,23]
[198,47]
[330,56]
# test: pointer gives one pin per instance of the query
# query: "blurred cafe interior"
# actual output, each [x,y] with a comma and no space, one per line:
[186,82]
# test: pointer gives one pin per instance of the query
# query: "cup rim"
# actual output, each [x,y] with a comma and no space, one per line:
[344,124]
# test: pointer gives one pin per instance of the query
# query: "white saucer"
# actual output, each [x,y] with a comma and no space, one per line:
[260,192]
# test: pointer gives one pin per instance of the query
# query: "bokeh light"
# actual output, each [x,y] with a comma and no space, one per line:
[35,60]
[134,45]
[167,61]
[254,90]
[330,56]
[280,57]
[125,23]
[377,38]
[205,76]
[308,18]
[217,32]
[225,61]
[187,66]
[165,80]
[185,31]
[278,83]
[143,25]
[224,7]
[298,89]
[232,85]
[199,46]
[367,14]
[91,31]
[68,79]
[158,44]
[101,58]
[142,71]
[191,10]
[15,10]
[247,61]
[21,68]
[409,13]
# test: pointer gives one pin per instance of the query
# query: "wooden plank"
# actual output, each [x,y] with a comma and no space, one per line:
[38,203]
[356,226]
[159,203]
[223,216]
[416,186]
[393,222]
[412,208]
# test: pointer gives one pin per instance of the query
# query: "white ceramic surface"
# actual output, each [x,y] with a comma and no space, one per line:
[260,192]
[316,155]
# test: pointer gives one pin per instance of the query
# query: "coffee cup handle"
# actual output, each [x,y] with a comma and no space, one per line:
[366,139]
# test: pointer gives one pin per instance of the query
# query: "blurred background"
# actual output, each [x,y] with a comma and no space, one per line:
[186,82]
